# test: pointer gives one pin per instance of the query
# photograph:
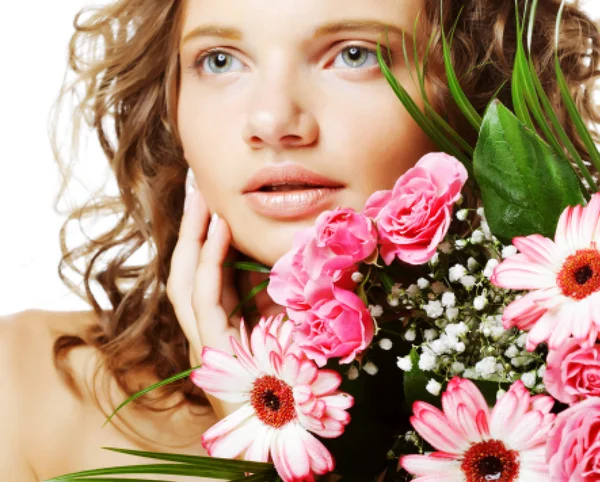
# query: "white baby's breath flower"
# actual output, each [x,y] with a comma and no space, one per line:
[385,344]
[522,340]
[427,361]
[499,393]
[460,244]
[511,352]
[370,368]
[460,347]
[422,283]
[434,309]
[352,373]
[410,335]
[472,264]
[480,302]
[439,347]
[457,272]
[462,214]
[451,313]
[375,310]
[460,200]
[508,251]
[528,379]
[404,363]
[358,277]
[396,289]
[486,368]
[489,267]
[477,237]
[435,259]
[393,301]
[481,212]
[430,334]
[541,371]
[457,368]
[485,227]
[448,299]
[468,281]
[458,329]
[433,387]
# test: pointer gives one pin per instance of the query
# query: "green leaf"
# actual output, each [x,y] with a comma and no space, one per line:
[524,185]
[215,462]
[257,289]
[248,266]
[156,469]
[162,383]
[415,382]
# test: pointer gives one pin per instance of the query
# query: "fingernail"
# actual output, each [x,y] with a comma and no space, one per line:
[214,220]
[190,181]
[188,200]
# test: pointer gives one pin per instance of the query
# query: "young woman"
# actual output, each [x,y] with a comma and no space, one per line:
[274,112]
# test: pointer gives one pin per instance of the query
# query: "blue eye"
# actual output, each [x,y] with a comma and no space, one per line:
[356,56]
[218,61]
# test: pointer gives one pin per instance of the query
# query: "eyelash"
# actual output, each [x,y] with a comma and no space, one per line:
[198,62]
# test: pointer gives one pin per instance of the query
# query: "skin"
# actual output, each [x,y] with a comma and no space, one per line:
[282,96]
[288,98]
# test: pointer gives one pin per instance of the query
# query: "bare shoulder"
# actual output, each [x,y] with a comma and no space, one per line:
[26,367]
[38,402]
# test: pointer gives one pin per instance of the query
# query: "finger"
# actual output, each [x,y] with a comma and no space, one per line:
[214,324]
[183,265]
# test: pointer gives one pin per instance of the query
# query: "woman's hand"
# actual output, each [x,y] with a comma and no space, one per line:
[202,291]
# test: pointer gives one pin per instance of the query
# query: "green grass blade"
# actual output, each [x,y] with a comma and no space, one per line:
[580,126]
[437,120]
[155,469]
[257,289]
[459,96]
[517,87]
[423,121]
[107,479]
[248,266]
[146,390]
[212,462]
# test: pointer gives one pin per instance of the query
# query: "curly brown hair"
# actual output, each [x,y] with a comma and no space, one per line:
[123,57]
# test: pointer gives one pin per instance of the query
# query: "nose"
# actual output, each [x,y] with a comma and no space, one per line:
[276,117]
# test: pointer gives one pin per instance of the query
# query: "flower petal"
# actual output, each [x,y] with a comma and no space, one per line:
[426,465]
[290,456]
[231,444]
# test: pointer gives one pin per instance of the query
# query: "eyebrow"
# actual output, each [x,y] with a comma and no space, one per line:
[370,26]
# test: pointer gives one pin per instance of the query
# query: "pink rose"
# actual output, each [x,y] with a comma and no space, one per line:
[573,447]
[346,233]
[573,372]
[307,273]
[335,327]
[414,217]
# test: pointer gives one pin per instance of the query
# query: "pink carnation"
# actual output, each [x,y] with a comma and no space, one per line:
[413,218]
[573,372]
[346,233]
[307,273]
[573,448]
[339,326]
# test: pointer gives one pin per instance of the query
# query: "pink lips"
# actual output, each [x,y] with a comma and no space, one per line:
[290,191]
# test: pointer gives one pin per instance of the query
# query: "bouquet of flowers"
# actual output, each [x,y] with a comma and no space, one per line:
[426,339]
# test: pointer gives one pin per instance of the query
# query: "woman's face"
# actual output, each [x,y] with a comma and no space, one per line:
[289,85]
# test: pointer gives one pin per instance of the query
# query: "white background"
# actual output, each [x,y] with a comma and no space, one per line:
[33,51]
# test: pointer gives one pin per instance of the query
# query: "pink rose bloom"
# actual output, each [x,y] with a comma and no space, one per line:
[336,327]
[346,233]
[573,447]
[307,273]
[414,217]
[573,372]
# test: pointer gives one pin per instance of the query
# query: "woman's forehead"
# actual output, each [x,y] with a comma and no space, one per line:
[236,19]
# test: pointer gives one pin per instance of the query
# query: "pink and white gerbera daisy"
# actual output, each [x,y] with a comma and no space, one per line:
[284,396]
[506,444]
[564,275]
